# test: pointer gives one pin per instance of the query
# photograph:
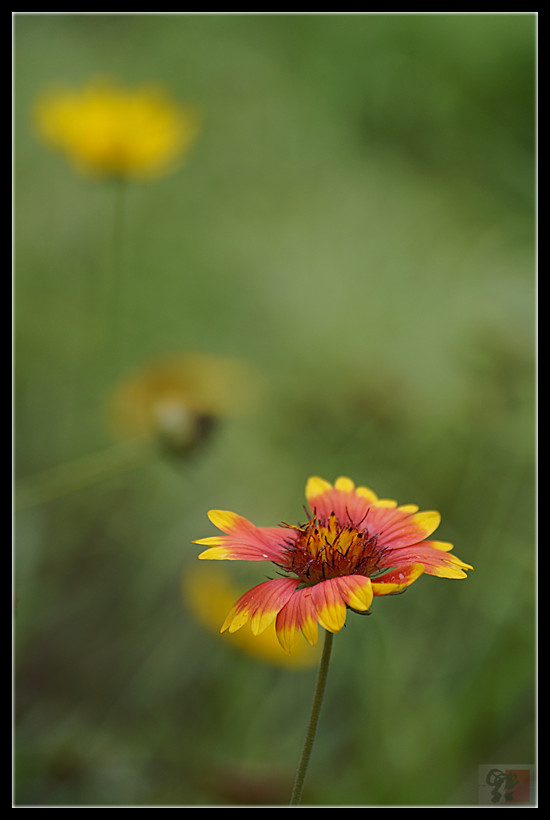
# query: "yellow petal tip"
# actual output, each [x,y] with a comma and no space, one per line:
[223,519]
[316,486]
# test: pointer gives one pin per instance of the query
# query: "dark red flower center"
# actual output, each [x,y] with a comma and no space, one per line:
[329,549]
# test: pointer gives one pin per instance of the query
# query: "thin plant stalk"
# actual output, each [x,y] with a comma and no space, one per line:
[313,720]
[117,313]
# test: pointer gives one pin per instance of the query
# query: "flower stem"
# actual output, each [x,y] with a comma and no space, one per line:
[313,720]
[118,308]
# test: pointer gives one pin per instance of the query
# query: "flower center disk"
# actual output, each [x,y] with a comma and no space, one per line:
[329,550]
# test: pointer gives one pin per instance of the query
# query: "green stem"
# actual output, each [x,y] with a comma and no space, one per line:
[117,313]
[313,720]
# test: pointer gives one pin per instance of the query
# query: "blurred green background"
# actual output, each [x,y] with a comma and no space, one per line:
[357,221]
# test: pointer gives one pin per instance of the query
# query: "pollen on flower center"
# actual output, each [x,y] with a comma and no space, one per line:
[329,550]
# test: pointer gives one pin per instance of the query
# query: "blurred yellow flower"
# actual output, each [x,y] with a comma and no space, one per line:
[110,131]
[210,596]
[177,399]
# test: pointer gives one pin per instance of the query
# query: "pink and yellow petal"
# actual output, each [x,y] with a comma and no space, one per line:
[329,605]
[298,613]
[396,527]
[445,546]
[226,521]
[427,521]
[344,484]
[449,566]
[277,594]
[386,503]
[243,540]
[367,494]
[317,486]
[288,622]
[342,499]
[308,616]
[356,591]
[434,555]
[236,618]
[408,508]
[323,499]
[399,525]
[260,605]
[209,594]
[216,553]
[397,580]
